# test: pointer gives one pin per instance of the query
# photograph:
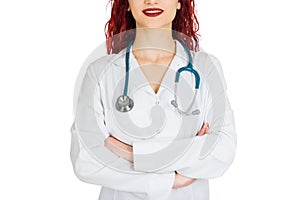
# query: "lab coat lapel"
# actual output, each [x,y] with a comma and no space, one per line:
[180,60]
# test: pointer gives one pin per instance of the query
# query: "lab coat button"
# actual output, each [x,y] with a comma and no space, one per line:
[157,102]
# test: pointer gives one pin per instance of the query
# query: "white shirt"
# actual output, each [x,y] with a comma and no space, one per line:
[152,177]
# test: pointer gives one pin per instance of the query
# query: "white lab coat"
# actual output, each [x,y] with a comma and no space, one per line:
[93,118]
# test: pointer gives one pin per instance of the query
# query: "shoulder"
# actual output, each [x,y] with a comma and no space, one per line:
[203,56]
[104,61]
[107,61]
[203,59]
[209,66]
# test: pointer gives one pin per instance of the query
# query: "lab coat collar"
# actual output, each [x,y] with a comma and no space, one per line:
[180,59]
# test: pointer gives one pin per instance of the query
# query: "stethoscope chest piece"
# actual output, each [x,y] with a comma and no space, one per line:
[124,103]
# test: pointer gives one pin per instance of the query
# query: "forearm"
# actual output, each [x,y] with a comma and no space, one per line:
[119,148]
[125,151]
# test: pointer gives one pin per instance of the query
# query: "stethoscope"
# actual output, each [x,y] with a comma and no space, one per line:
[124,103]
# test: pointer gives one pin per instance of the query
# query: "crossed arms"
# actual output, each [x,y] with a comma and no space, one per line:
[125,151]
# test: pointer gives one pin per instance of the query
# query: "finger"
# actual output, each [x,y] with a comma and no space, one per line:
[204,129]
[205,125]
[201,132]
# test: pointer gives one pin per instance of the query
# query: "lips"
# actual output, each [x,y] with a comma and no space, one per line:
[152,12]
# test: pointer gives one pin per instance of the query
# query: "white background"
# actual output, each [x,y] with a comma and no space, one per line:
[44,43]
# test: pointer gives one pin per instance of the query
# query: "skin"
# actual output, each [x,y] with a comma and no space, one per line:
[154,49]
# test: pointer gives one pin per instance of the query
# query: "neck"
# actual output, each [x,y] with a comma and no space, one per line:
[153,43]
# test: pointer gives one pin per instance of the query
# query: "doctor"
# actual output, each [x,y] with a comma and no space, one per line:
[154,54]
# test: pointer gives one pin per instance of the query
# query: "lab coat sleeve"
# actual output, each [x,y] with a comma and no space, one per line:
[87,168]
[190,163]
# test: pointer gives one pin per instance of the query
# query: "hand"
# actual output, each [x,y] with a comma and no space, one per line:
[182,181]
[119,148]
[204,129]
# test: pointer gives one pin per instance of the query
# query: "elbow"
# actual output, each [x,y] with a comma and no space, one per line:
[224,159]
[217,166]
[222,156]
[81,173]
[75,155]
[85,168]
[226,150]
[229,154]
[226,163]
[78,167]
[87,171]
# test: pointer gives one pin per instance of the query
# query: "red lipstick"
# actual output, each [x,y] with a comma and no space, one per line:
[152,12]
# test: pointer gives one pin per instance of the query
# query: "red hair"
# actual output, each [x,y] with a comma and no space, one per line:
[185,26]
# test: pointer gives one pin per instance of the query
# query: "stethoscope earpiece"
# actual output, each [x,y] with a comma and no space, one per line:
[174,103]
[196,112]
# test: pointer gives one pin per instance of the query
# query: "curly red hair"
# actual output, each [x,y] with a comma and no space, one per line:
[185,26]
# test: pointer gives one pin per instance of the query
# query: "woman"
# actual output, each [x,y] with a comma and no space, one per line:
[161,29]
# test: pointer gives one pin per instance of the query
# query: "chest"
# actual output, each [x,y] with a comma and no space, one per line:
[141,119]
[154,72]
